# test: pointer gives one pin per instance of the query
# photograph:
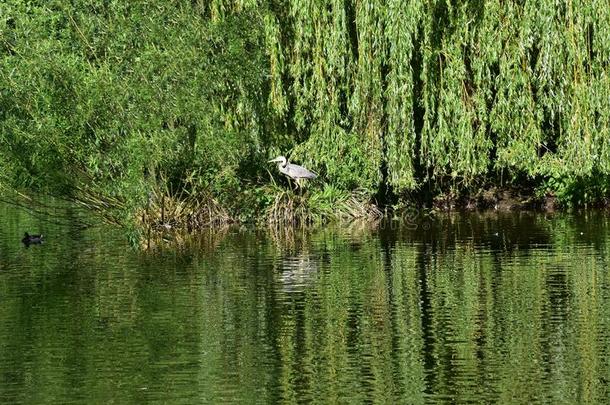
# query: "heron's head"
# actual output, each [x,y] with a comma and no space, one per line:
[280,159]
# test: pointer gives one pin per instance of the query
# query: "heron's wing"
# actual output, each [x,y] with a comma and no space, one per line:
[299,172]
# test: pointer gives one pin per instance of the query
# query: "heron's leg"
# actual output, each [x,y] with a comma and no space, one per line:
[299,187]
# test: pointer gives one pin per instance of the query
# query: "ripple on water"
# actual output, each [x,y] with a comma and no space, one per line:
[473,309]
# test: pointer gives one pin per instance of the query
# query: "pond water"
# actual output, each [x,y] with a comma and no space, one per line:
[479,308]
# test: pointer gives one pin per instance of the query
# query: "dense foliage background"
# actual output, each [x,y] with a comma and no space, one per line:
[119,104]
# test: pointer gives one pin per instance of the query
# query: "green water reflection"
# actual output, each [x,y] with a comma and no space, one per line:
[479,308]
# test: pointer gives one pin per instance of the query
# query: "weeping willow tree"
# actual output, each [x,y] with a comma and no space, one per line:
[113,102]
[442,90]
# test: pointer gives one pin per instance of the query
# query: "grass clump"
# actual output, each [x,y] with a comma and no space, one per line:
[182,212]
[317,206]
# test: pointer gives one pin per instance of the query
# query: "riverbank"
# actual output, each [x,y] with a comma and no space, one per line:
[276,206]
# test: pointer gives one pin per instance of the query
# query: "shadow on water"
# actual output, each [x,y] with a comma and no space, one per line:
[467,308]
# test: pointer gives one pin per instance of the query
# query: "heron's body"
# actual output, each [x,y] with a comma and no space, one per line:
[293,171]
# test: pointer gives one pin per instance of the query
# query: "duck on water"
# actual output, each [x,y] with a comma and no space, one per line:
[32,239]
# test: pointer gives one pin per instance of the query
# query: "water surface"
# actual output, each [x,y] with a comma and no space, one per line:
[480,308]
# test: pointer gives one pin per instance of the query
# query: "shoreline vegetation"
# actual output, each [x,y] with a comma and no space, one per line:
[163,116]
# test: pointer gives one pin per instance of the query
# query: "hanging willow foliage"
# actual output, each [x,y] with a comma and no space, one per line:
[370,94]
[403,21]
[454,138]
[458,89]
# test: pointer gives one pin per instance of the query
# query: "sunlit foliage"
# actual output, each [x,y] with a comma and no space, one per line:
[109,101]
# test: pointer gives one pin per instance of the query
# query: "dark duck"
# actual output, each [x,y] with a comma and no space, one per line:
[31,239]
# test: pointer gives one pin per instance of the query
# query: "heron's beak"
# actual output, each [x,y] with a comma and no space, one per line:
[274,160]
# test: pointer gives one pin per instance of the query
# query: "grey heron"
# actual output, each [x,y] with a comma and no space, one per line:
[293,171]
